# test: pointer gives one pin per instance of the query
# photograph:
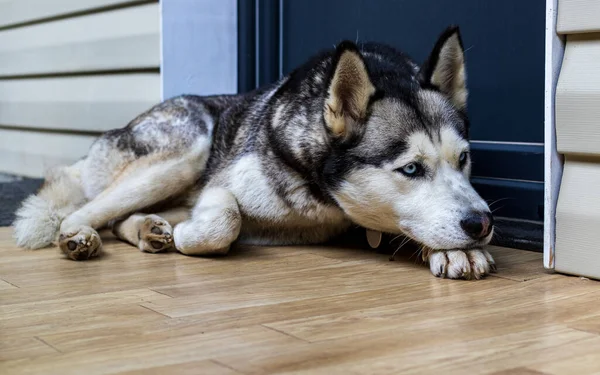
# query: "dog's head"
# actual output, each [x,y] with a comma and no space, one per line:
[399,160]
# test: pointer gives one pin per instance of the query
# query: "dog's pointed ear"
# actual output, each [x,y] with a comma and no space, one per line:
[349,92]
[445,68]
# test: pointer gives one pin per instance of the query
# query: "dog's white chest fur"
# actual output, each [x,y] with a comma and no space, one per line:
[273,216]
[256,197]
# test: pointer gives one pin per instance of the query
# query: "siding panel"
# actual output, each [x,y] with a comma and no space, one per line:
[70,70]
[13,12]
[578,218]
[578,16]
[93,103]
[32,153]
[86,43]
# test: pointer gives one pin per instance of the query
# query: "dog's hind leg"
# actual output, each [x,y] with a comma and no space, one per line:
[151,232]
[142,184]
[215,223]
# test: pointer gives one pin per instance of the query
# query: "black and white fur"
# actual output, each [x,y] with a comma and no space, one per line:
[358,135]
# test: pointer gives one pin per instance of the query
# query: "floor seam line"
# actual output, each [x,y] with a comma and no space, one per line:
[47,344]
[226,366]
[154,311]
[284,333]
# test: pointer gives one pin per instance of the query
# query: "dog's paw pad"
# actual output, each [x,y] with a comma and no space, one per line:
[80,244]
[155,235]
[459,264]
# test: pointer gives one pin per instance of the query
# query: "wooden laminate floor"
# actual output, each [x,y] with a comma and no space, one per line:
[310,310]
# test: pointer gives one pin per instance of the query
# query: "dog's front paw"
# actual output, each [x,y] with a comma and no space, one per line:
[461,264]
[80,244]
[155,234]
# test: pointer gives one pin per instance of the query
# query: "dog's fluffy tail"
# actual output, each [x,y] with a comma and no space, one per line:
[37,222]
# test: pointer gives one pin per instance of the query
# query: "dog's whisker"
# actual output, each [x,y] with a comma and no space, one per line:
[497,236]
[417,253]
[404,242]
[394,254]
[499,200]
[414,253]
[395,238]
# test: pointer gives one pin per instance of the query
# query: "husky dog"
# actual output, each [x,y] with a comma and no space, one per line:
[360,134]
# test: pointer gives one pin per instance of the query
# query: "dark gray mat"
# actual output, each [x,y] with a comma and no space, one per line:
[11,195]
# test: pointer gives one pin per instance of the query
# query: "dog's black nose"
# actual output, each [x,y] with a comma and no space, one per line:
[478,224]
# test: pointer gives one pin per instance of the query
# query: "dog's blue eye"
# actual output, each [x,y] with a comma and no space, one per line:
[462,159]
[412,170]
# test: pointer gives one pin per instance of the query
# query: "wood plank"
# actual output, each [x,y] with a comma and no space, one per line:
[101,321]
[146,272]
[586,364]
[92,103]
[518,371]
[4,285]
[73,304]
[23,347]
[266,315]
[588,324]
[86,43]
[449,351]
[523,349]
[14,12]
[155,352]
[281,288]
[517,265]
[189,368]
[441,313]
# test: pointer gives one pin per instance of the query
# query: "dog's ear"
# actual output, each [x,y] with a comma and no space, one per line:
[445,68]
[349,92]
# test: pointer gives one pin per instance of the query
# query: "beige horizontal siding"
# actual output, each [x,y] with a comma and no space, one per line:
[89,103]
[578,16]
[120,39]
[64,81]
[578,218]
[578,96]
[31,153]
[14,12]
